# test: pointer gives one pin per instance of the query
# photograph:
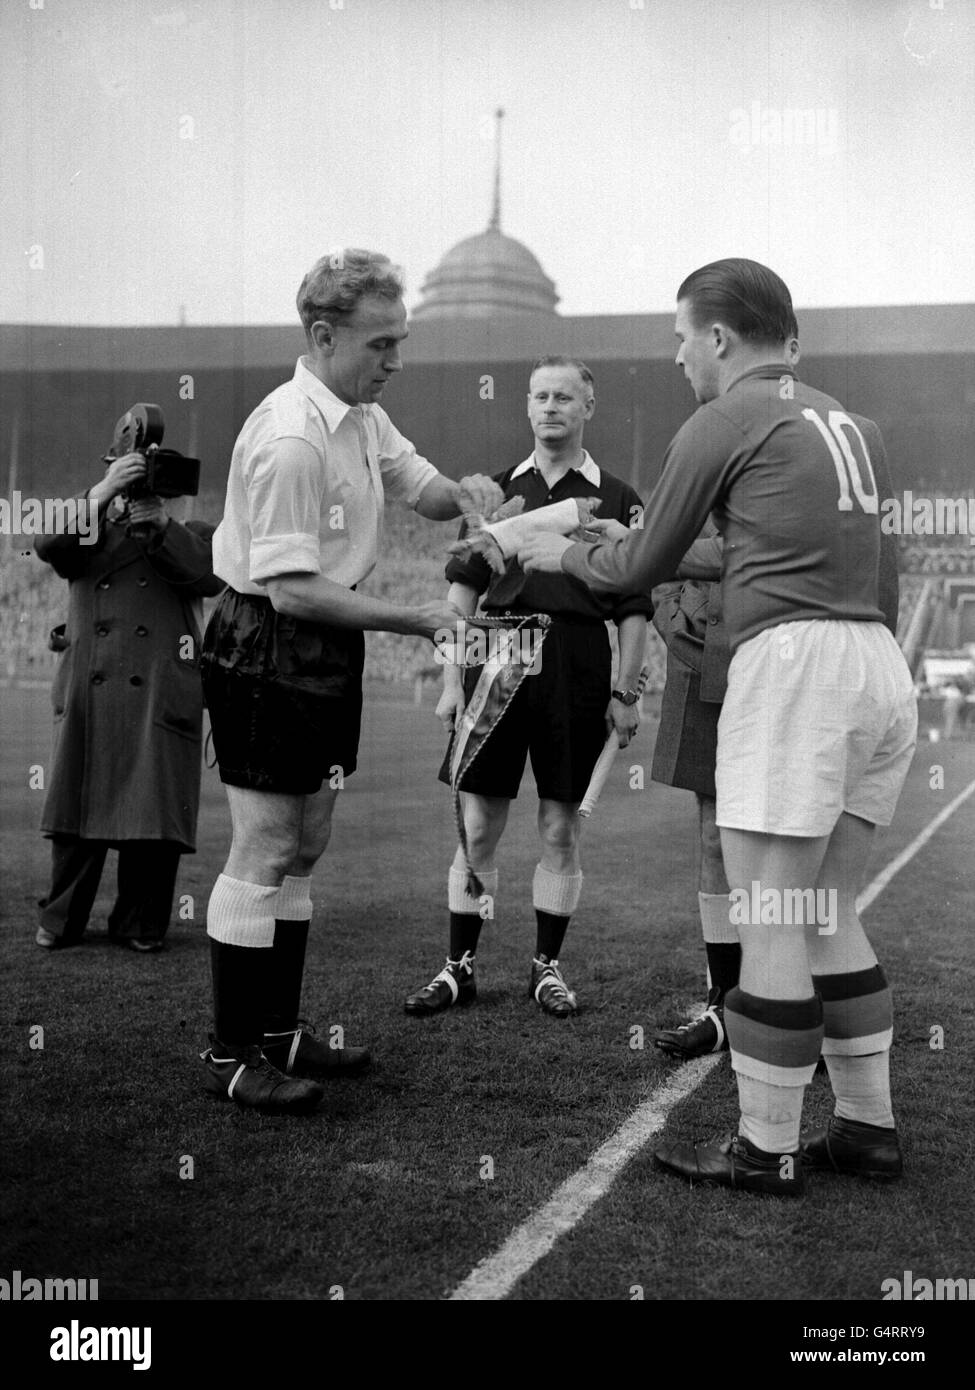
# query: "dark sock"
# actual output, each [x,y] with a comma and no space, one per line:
[239,991]
[724,963]
[285,975]
[551,932]
[465,931]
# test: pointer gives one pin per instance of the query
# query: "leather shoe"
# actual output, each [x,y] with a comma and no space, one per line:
[855,1148]
[298,1052]
[731,1163]
[50,942]
[244,1074]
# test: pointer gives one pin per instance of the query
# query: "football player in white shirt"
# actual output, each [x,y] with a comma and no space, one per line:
[283,653]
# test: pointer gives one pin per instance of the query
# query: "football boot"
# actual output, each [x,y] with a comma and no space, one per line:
[454,985]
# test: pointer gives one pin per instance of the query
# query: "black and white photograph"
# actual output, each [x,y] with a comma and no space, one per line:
[487,674]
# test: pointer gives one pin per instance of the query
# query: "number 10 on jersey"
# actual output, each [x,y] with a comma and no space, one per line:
[847,469]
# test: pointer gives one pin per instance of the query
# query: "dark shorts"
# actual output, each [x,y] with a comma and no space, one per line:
[558,718]
[686,750]
[284,696]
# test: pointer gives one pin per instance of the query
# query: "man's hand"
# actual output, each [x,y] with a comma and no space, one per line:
[436,619]
[479,495]
[543,553]
[148,515]
[608,530]
[625,719]
[451,706]
[120,474]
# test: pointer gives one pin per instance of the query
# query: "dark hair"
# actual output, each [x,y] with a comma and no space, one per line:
[576,362]
[747,297]
[335,284]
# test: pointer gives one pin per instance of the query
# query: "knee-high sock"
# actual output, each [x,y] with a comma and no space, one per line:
[554,897]
[720,943]
[240,924]
[465,910]
[292,915]
[858,1024]
[775,1045]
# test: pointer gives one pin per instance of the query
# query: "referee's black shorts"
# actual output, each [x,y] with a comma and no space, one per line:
[284,696]
[557,718]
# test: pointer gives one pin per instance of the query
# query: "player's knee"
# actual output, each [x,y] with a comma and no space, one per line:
[711,842]
[309,854]
[482,837]
[558,832]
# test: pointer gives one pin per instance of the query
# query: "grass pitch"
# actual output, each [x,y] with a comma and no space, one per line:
[410,1175]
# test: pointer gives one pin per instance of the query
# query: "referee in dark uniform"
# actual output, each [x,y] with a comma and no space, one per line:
[560,716]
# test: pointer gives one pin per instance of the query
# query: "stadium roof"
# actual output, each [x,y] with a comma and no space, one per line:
[901,329]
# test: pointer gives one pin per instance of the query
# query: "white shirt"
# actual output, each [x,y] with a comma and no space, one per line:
[307,484]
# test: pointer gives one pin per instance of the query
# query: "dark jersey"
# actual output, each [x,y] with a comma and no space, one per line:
[793,481]
[557,594]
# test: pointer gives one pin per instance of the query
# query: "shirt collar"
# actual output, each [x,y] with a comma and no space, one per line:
[327,401]
[587,468]
[767,369]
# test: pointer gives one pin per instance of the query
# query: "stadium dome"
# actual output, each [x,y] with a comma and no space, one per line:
[486,275]
[489,274]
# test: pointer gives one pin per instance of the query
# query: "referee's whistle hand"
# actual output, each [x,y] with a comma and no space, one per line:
[625,719]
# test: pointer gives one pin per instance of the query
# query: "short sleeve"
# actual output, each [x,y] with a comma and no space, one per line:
[404,472]
[284,483]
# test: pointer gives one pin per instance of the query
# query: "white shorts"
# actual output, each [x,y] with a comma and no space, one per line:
[820,718]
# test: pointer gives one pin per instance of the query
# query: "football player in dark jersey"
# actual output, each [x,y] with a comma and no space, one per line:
[816,732]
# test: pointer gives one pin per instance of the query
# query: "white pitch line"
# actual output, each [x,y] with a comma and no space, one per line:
[495,1276]
[874,889]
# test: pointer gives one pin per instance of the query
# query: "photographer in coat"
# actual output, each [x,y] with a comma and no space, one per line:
[128,705]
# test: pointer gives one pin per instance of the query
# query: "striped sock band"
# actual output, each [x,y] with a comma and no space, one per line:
[858,1014]
[241,914]
[858,1017]
[294,900]
[777,1041]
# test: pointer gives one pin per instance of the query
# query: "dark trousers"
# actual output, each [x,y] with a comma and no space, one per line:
[146,885]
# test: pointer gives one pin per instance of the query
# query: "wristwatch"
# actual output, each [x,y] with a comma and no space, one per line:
[625,697]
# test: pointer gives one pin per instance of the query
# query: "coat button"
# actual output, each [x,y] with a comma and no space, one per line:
[104,584]
[135,680]
[97,678]
[141,631]
[102,630]
[142,583]
[712,620]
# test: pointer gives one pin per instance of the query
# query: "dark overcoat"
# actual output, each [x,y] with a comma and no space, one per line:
[127,696]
